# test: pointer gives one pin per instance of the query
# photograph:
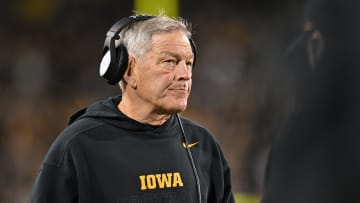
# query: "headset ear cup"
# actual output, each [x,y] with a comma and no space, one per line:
[194,49]
[119,65]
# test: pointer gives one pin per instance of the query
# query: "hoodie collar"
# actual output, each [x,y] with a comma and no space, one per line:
[107,111]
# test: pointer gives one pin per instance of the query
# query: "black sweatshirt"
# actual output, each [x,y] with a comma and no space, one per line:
[104,156]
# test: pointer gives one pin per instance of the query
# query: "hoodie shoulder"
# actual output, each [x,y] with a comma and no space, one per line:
[80,123]
[188,123]
[62,143]
[195,131]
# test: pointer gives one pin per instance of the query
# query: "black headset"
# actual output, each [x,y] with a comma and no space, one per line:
[115,59]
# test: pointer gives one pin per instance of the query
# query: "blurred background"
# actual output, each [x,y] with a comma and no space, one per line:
[49,57]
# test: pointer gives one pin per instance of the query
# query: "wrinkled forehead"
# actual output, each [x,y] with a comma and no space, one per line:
[171,40]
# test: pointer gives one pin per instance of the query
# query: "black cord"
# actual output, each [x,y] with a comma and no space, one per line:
[190,158]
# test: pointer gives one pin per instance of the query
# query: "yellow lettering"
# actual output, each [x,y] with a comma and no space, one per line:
[151,181]
[161,180]
[177,182]
[164,180]
[142,183]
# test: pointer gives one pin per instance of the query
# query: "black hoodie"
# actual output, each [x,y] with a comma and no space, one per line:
[104,156]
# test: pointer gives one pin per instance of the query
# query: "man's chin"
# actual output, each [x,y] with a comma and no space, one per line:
[177,109]
[174,106]
[182,106]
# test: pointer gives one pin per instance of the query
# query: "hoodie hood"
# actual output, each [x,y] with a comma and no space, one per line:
[108,112]
[101,109]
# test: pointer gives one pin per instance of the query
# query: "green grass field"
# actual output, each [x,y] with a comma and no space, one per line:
[247,198]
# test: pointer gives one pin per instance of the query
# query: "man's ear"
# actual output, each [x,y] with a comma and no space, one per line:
[129,75]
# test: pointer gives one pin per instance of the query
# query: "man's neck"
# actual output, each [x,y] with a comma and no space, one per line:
[142,114]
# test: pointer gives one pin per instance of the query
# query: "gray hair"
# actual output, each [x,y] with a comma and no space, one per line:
[137,37]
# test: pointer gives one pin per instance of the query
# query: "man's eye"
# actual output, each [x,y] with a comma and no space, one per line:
[170,61]
[189,63]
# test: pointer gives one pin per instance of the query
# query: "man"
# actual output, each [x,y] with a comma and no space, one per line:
[135,147]
[316,158]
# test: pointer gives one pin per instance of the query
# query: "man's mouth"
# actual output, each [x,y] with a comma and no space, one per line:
[180,88]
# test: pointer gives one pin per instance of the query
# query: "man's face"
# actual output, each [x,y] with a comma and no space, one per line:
[163,74]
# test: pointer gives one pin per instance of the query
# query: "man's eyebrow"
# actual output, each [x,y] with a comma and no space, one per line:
[176,55]
[169,53]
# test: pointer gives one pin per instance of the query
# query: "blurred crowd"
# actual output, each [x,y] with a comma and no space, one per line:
[49,57]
